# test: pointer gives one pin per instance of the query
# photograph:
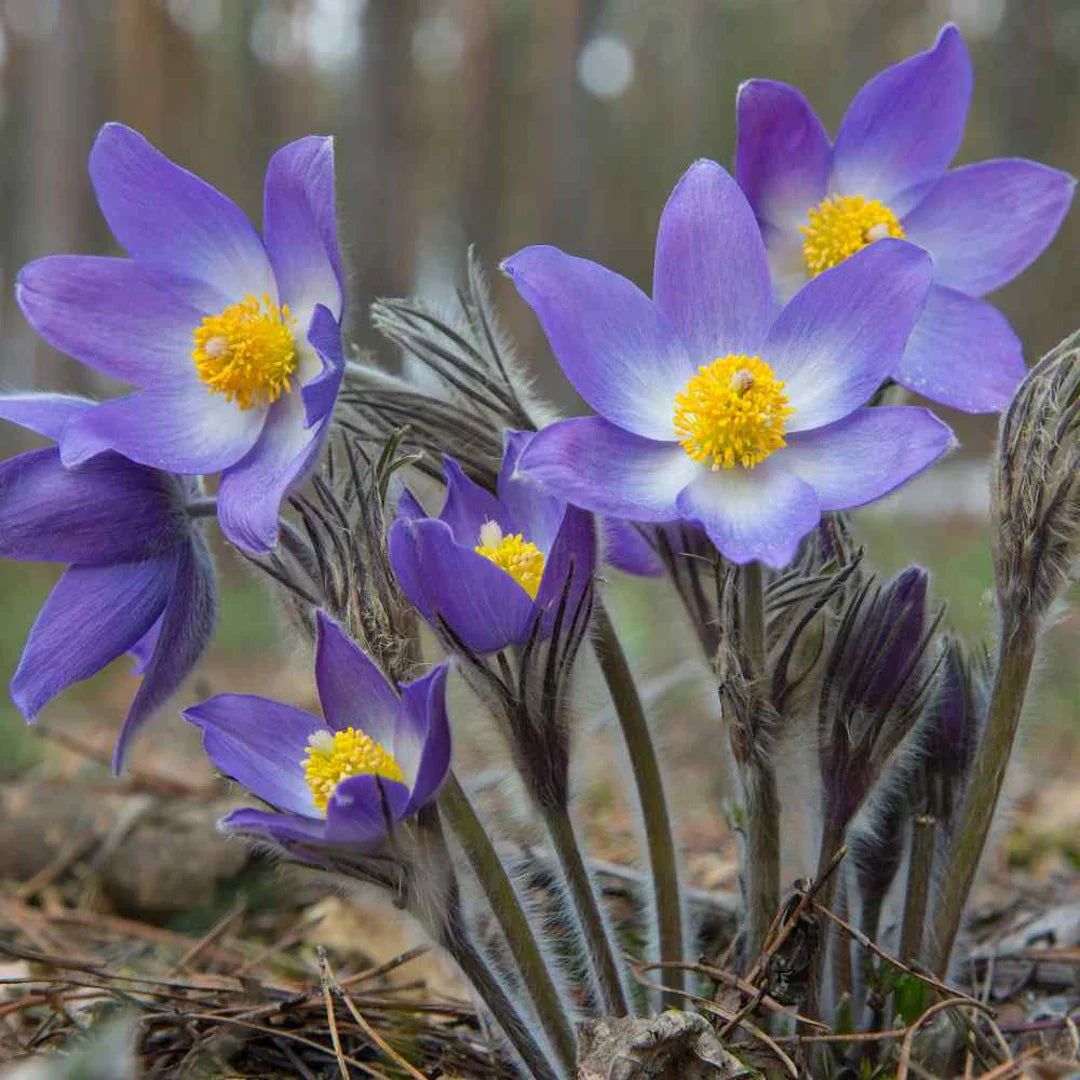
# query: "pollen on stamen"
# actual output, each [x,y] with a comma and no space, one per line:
[334,756]
[841,225]
[518,557]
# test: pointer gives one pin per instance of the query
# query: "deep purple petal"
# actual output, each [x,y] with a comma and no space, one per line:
[537,511]
[261,744]
[362,809]
[711,277]
[283,829]
[985,223]
[300,227]
[408,506]
[320,393]
[482,605]
[621,354]
[602,468]
[182,428]
[352,690]
[782,156]
[906,124]
[422,745]
[127,321]
[92,616]
[45,414]
[867,454]
[468,506]
[962,353]
[106,511]
[568,571]
[143,650]
[183,632]
[757,514]
[844,332]
[627,548]
[168,219]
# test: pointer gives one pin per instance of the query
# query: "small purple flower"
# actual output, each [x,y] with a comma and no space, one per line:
[377,758]
[886,175]
[714,409]
[234,340]
[140,578]
[490,565]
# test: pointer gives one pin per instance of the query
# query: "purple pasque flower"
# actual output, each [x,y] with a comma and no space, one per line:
[490,565]
[140,578]
[377,757]
[714,409]
[233,339]
[887,175]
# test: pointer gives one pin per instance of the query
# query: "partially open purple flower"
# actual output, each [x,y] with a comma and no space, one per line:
[885,175]
[233,339]
[377,757]
[491,565]
[715,409]
[140,578]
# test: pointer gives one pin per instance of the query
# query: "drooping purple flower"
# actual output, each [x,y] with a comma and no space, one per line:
[887,175]
[490,565]
[714,409]
[233,339]
[377,757]
[140,578]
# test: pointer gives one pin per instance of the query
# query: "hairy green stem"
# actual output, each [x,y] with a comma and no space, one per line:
[920,868]
[507,908]
[602,953]
[1016,653]
[659,836]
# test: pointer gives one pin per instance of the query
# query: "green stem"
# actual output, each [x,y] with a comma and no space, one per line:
[920,867]
[507,908]
[1016,653]
[659,835]
[593,927]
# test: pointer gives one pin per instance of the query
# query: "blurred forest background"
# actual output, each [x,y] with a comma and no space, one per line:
[499,123]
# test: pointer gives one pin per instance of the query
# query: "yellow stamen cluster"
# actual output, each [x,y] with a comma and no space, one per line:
[334,756]
[519,557]
[247,352]
[841,225]
[732,412]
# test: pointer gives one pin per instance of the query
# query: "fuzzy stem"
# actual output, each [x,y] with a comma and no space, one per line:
[507,908]
[1016,653]
[602,953]
[659,836]
[831,841]
[761,863]
[920,867]
[200,508]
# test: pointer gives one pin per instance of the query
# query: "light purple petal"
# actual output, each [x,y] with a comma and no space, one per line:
[283,829]
[906,124]
[45,414]
[408,506]
[627,548]
[537,511]
[143,650]
[711,277]
[126,321]
[261,744]
[422,744]
[182,428]
[484,607]
[568,571]
[602,468]
[962,353]
[183,632]
[757,514]
[300,228]
[621,354]
[468,506]
[782,156]
[105,511]
[867,454]
[844,332]
[985,223]
[320,393]
[168,219]
[92,616]
[352,690]
[362,809]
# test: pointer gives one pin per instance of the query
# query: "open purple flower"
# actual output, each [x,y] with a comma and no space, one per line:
[233,340]
[491,565]
[886,175]
[345,781]
[714,409]
[140,578]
